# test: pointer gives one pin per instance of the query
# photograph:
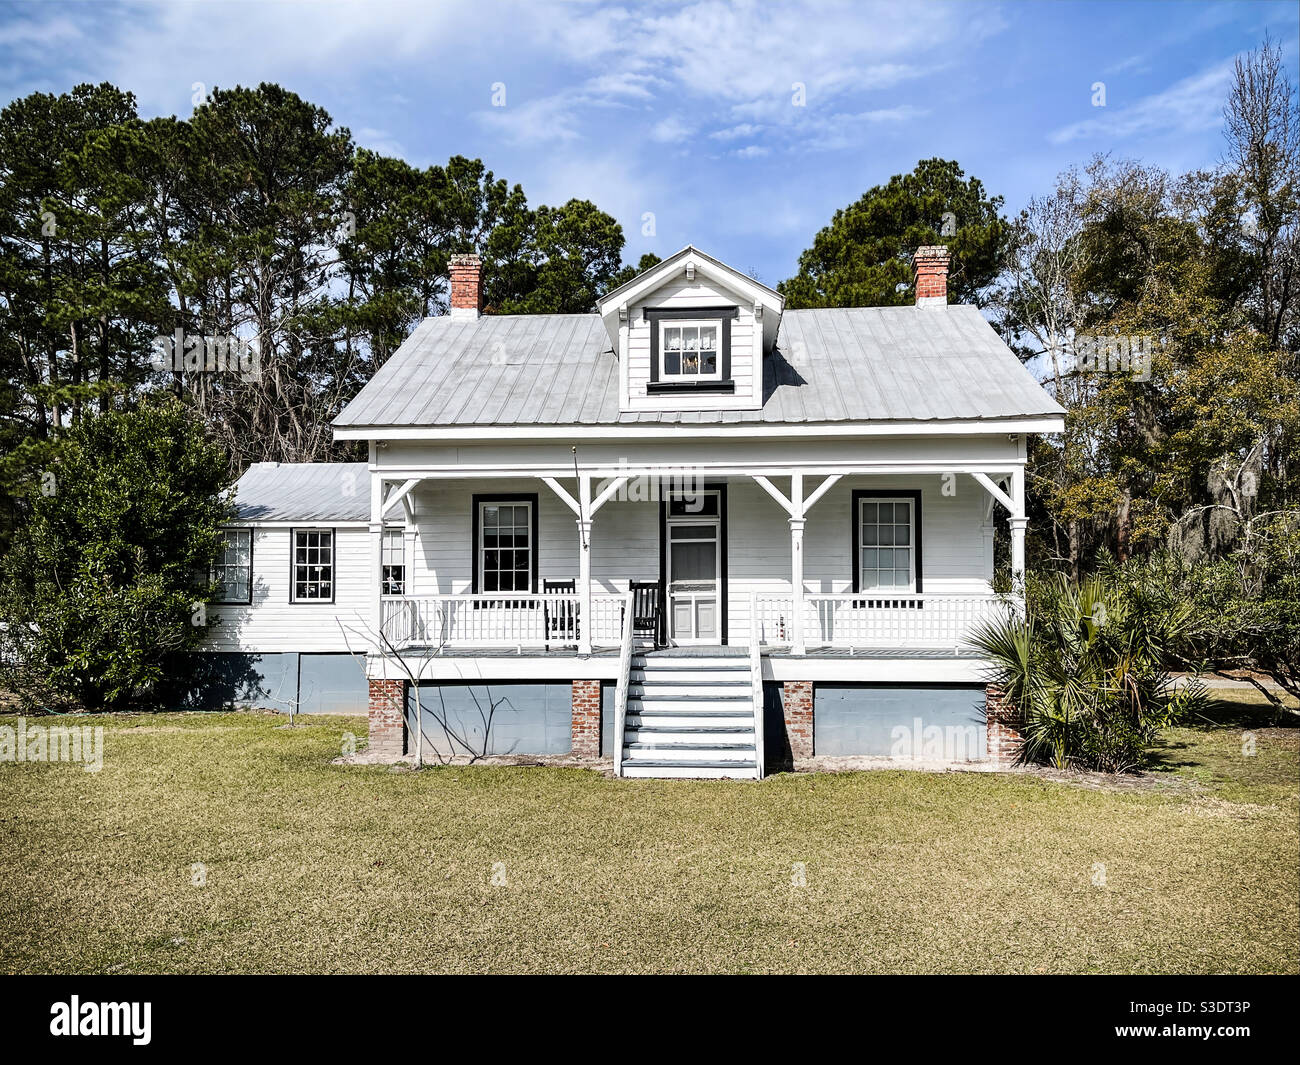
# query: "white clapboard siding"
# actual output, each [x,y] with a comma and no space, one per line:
[746,355]
[272,623]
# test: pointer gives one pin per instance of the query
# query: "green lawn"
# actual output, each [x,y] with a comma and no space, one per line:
[311,866]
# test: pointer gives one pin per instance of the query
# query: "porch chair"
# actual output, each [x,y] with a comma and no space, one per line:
[561,619]
[646,615]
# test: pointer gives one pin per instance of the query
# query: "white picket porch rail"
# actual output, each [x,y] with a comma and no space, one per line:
[866,620]
[876,620]
[500,620]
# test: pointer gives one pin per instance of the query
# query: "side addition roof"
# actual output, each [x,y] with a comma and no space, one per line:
[304,491]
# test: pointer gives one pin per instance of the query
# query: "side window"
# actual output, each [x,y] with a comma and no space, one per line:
[313,566]
[233,570]
[394,563]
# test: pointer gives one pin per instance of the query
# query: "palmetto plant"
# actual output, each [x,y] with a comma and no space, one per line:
[1085,669]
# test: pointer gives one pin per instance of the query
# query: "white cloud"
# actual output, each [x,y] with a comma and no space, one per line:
[1192,105]
[751,151]
[745,129]
[671,130]
[379,140]
[21,32]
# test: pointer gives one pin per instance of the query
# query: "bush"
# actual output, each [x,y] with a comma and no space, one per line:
[103,576]
[1085,668]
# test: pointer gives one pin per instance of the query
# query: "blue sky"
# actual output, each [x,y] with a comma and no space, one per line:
[688,111]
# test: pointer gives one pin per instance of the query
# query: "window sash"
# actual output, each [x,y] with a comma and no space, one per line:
[504,553]
[232,572]
[393,577]
[886,544]
[313,566]
[682,356]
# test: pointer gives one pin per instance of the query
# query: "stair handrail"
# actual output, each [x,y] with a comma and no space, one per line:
[756,681]
[620,688]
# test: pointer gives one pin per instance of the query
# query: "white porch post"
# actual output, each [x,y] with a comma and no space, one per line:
[408,546]
[1018,525]
[585,620]
[797,522]
[377,556]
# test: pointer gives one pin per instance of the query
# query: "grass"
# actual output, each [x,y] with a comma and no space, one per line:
[315,867]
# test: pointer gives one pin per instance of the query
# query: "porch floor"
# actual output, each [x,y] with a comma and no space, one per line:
[694,651]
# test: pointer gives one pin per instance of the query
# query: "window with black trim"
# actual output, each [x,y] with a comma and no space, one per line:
[886,542]
[232,572]
[504,554]
[394,563]
[688,351]
[313,565]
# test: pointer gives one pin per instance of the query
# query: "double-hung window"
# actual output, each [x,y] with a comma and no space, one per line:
[887,544]
[505,555]
[313,566]
[394,563]
[232,572]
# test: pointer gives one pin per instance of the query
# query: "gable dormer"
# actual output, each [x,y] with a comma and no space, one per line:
[690,334]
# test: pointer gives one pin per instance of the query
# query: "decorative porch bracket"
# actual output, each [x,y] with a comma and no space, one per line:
[1015,505]
[392,498]
[584,507]
[797,508]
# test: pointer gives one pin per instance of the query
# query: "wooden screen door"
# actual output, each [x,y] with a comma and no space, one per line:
[694,572]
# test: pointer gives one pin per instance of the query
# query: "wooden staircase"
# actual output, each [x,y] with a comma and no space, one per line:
[691,717]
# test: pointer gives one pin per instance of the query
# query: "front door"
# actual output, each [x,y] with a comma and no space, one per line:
[694,549]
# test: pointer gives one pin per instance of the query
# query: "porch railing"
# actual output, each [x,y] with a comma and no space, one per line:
[756,683]
[624,680]
[877,620]
[501,620]
[865,620]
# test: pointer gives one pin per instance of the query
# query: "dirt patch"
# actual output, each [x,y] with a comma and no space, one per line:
[554,761]
[1144,783]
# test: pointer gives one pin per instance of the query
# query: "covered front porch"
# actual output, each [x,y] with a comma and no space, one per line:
[825,557]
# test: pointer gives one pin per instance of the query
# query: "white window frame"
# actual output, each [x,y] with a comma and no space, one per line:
[689,323]
[293,565]
[480,550]
[221,565]
[389,559]
[863,589]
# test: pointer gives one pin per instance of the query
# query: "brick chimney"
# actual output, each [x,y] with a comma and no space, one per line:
[931,262]
[466,286]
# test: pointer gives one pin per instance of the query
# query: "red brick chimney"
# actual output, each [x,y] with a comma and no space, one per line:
[931,262]
[466,285]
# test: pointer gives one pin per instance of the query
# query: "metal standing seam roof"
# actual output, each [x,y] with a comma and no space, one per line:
[304,491]
[859,364]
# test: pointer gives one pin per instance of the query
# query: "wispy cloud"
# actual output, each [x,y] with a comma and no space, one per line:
[1191,105]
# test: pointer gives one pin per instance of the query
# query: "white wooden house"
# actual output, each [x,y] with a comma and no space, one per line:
[693,530]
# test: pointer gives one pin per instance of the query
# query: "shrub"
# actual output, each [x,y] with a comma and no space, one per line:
[102,578]
[1085,668]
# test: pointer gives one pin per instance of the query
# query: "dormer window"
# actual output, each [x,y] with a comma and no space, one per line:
[689,351]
